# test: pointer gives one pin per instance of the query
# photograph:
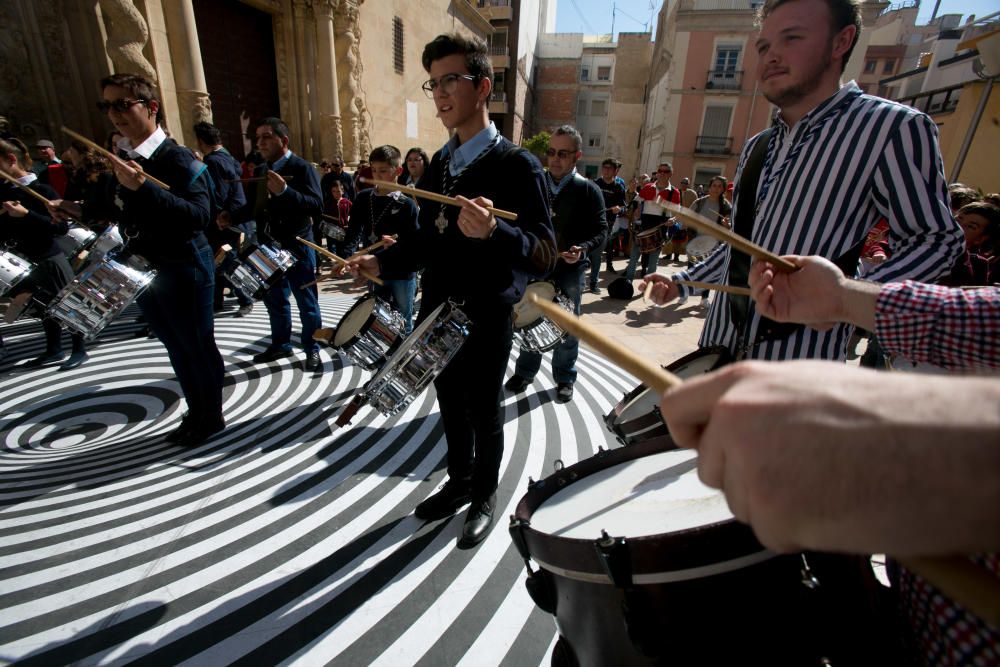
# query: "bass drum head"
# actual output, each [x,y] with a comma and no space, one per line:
[703,244]
[354,320]
[526,312]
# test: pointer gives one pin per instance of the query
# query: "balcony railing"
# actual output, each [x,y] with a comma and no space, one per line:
[724,79]
[499,50]
[713,145]
[493,3]
[498,96]
[941,100]
[726,5]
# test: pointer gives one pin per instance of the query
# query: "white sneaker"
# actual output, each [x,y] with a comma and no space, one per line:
[704,301]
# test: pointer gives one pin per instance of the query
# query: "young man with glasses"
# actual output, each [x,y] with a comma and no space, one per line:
[284,210]
[651,216]
[477,260]
[613,189]
[578,219]
[165,227]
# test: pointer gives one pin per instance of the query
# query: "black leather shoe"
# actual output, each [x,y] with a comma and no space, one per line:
[75,359]
[564,392]
[448,500]
[271,354]
[47,357]
[179,433]
[477,522]
[194,432]
[313,362]
[516,384]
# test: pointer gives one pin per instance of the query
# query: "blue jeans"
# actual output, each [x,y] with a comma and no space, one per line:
[400,294]
[279,310]
[594,256]
[650,260]
[178,307]
[569,280]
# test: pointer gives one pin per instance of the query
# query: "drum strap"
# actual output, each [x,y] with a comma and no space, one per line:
[739,262]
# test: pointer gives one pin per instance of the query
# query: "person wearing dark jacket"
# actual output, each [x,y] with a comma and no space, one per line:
[578,218]
[472,257]
[284,211]
[30,229]
[167,229]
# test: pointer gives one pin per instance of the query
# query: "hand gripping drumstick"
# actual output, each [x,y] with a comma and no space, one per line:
[744,291]
[706,226]
[957,577]
[433,196]
[16,183]
[321,249]
[111,156]
[363,251]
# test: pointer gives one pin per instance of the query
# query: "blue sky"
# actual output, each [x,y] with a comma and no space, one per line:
[594,16]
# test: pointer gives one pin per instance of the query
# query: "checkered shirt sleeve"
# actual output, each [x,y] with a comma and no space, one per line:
[950,327]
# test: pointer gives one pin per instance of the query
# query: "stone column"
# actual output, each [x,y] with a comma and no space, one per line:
[300,12]
[349,58]
[189,73]
[331,140]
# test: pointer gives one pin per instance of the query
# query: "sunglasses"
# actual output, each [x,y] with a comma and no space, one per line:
[563,155]
[121,106]
[446,83]
[663,171]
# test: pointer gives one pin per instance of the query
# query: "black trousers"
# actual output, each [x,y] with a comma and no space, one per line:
[469,392]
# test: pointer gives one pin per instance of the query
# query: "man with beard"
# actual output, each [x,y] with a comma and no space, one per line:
[834,163]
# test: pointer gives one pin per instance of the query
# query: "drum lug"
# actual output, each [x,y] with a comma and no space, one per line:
[614,556]
[516,529]
[809,580]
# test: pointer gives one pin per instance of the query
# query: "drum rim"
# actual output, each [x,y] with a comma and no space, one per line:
[705,251]
[527,325]
[364,298]
[729,543]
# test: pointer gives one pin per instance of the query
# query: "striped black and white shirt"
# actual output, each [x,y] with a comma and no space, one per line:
[825,182]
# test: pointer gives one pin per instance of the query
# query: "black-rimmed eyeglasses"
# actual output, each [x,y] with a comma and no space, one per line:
[563,155]
[121,106]
[446,83]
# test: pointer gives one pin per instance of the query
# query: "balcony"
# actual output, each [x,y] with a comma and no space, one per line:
[499,56]
[498,101]
[707,145]
[724,79]
[942,100]
[495,10]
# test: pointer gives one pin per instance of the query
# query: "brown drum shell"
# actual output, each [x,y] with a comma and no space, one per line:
[650,240]
[761,612]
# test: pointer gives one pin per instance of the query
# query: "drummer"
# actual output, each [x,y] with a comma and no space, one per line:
[578,216]
[715,207]
[31,230]
[478,260]
[820,456]
[652,216]
[166,228]
[379,215]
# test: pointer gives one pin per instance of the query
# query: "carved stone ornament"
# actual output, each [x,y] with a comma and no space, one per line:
[127,36]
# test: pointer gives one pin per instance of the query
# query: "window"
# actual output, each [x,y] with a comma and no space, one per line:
[581,108]
[702,175]
[889,66]
[590,171]
[594,141]
[724,73]
[397,44]
[604,74]
[726,58]
[585,74]
[599,108]
[714,137]
[498,42]
[870,66]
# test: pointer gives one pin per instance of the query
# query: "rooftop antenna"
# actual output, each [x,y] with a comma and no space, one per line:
[614,8]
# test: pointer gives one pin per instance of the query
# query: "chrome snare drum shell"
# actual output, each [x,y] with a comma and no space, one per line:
[13,269]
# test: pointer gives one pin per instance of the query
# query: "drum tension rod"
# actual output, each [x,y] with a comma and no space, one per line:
[613,553]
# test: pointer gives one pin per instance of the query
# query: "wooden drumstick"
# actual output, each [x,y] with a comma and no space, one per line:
[13,181]
[368,249]
[972,587]
[706,226]
[647,291]
[697,284]
[339,260]
[433,196]
[114,158]
[651,375]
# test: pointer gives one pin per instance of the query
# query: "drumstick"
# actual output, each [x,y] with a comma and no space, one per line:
[31,192]
[743,291]
[706,226]
[321,249]
[433,196]
[651,375]
[111,156]
[374,246]
[330,217]
[974,588]
[647,291]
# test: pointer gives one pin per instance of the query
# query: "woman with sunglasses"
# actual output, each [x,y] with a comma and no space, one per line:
[166,228]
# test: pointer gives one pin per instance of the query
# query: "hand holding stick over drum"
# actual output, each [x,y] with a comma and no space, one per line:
[573,255]
[130,171]
[368,274]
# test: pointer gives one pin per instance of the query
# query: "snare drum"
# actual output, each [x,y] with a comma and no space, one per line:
[109,241]
[261,269]
[333,230]
[75,239]
[637,416]
[701,247]
[369,332]
[641,564]
[649,240]
[532,330]
[13,269]
[100,293]
[418,359]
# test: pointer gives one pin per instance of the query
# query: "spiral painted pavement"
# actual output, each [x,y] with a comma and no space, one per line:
[283,539]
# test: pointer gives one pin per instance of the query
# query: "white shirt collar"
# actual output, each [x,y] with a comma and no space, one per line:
[28,178]
[147,147]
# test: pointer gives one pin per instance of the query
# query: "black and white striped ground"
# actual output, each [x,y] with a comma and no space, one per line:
[283,540]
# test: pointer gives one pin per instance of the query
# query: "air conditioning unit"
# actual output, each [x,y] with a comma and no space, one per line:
[989,54]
